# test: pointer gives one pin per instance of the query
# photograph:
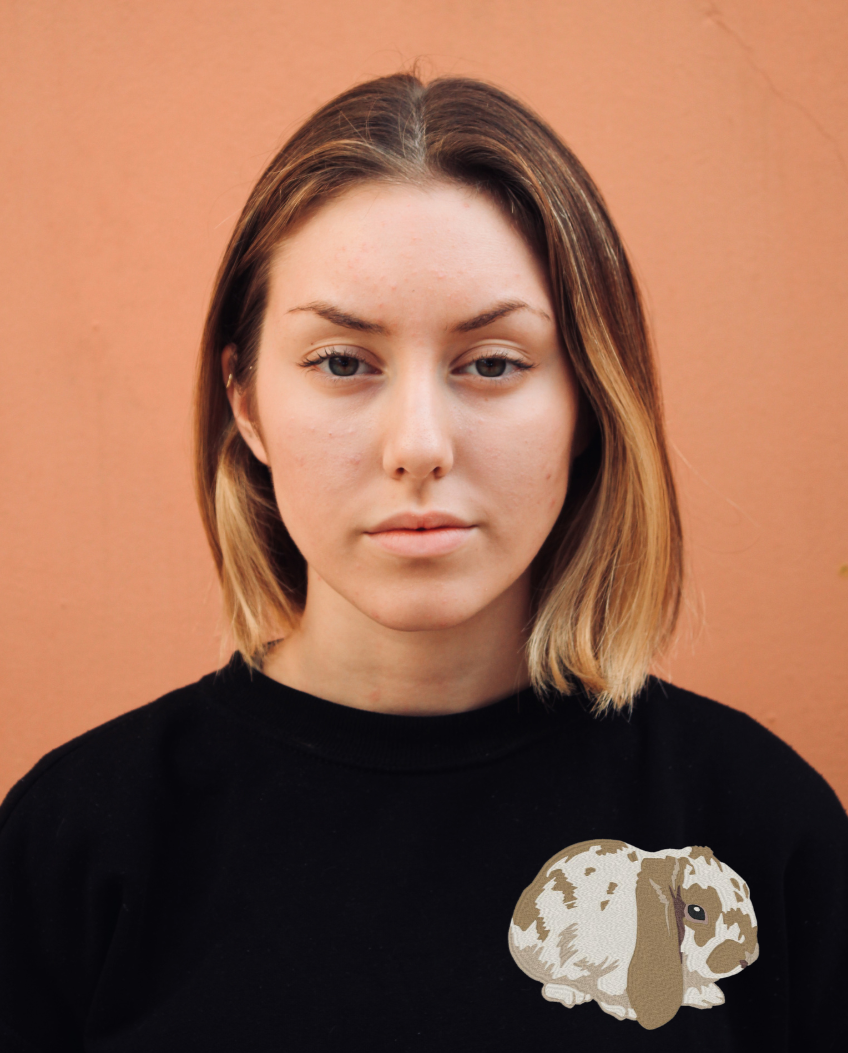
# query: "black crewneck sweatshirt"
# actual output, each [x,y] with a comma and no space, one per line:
[243,868]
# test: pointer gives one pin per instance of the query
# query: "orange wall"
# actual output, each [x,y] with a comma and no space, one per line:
[131,135]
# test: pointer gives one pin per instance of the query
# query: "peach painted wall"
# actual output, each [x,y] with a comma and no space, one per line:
[131,135]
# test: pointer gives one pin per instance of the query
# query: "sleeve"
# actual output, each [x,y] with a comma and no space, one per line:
[53,927]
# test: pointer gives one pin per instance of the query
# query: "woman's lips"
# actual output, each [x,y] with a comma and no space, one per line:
[421,541]
[437,541]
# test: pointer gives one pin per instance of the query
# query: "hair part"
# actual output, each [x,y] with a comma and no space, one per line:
[607,583]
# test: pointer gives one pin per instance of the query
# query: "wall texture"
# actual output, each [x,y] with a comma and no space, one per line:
[131,135]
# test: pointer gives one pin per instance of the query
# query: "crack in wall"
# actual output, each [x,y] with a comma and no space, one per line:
[714,14]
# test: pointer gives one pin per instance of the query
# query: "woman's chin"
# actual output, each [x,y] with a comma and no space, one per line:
[411,604]
[420,614]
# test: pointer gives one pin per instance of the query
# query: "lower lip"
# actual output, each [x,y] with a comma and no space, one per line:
[436,542]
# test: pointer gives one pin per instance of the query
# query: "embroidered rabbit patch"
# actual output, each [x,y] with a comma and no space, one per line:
[640,933]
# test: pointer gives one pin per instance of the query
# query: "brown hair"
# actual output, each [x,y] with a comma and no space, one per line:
[608,579]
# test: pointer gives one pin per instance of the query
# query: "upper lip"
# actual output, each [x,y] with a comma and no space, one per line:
[418,521]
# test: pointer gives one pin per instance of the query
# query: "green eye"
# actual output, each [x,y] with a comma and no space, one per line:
[491,367]
[343,365]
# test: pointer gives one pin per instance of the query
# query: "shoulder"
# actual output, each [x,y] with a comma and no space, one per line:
[685,712]
[703,726]
[112,760]
[732,756]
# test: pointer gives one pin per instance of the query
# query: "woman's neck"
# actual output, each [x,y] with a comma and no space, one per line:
[340,654]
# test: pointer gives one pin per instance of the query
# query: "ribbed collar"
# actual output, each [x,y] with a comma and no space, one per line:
[387,741]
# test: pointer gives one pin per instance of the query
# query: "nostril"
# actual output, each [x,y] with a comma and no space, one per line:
[743,963]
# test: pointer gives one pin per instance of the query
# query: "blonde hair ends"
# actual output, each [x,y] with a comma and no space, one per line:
[608,580]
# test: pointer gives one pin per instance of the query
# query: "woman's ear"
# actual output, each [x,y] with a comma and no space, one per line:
[655,974]
[241,404]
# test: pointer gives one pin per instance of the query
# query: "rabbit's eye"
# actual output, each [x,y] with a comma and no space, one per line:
[695,912]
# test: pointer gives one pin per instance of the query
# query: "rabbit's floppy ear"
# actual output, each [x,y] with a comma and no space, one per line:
[655,975]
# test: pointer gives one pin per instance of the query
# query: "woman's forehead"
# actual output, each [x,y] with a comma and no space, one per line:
[383,243]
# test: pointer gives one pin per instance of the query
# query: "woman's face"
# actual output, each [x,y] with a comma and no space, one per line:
[413,402]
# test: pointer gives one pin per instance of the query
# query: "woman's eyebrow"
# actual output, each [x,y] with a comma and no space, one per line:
[341,318]
[499,310]
[346,320]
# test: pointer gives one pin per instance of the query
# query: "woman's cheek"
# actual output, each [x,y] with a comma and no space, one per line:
[527,467]
[313,470]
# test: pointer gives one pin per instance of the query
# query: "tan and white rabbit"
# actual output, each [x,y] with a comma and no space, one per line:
[641,933]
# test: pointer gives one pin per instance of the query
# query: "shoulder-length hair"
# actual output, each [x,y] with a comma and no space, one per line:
[607,583]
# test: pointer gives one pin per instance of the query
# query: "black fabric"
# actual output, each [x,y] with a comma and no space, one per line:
[241,867]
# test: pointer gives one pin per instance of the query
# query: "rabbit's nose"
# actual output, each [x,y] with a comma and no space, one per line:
[743,963]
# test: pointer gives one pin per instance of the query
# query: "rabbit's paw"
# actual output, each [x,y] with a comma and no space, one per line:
[704,997]
[618,1011]
[569,996]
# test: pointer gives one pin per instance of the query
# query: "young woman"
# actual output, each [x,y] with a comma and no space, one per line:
[434,801]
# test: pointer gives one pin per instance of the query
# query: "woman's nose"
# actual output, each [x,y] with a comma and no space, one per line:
[417,438]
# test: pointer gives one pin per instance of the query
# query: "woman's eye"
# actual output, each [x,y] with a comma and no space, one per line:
[338,365]
[492,368]
[343,365]
[696,913]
